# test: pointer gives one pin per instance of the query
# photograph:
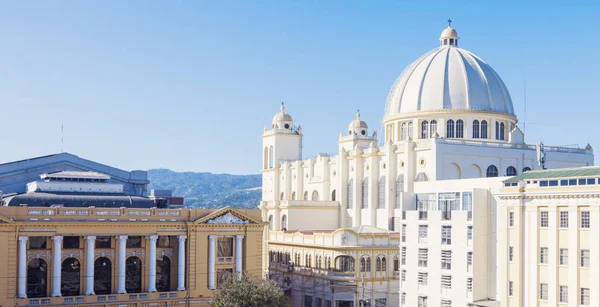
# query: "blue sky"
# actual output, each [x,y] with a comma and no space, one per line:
[189,85]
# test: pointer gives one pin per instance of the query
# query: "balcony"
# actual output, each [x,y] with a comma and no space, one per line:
[175,297]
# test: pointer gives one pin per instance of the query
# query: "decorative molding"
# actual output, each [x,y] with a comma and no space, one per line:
[227,218]
[38,229]
[110,254]
[135,253]
[71,255]
[47,255]
[160,254]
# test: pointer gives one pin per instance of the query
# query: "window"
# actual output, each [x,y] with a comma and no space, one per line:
[163,274]
[511,171]
[403,132]
[284,222]
[315,195]
[362,264]
[564,219]
[308,301]
[378,265]
[492,171]
[344,263]
[365,193]
[422,233]
[564,256]
[422,301]
[544,219]
[446,258]
[564,294]
[511,219]
[475,129]
[424,129]
[544,255]
[133,275]
[37,243]
[450,129]
[423,257]
[469,259]
[469,232]
[469,284]
[422,278]
[433,128]
[37,277]
[446,282]
[448,202]
[399,190]
[270,222]
[333,195]
[510,253]
[403,299]
[585,297]
[164,241]
[396,264]
[484,129]
[585,219]
[502,131]
[381,302]
[403,233]
[224,248]
[70,242]
[102,276]
[497,130]
[368,268]
[544,292]
[585,258]
[350,192]
[281,196]
[134,242]
[381,193]
[403,256]
[459,129]
[403,275]
[446,235]
[510,288]
[410,130]
[305,195]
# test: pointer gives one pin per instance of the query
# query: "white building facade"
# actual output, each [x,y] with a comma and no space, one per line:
[449,122]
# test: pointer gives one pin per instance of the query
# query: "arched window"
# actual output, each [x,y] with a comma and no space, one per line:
[381,193]
[344,264]
[293,195]
[163,274]
[484,129]
[433,128]
[383,264]
[365,193]
[266,158]
[450,129]
[70,277]
[333,195]
[399,190]
[315,195]
[421,177]
[396,264]
[475,129]
[362,264]
[305,195]
[492,171]
[281,196]
[271,157]
[497,130]
[133,275]
[350,193]
[37,278]
[403,132]
[270,222]
[410,130]
[102,276]
[511,171]
[368,264]
[460,129]
[526,169]
[378,264]
[502,131]
[424,130]
[284,222]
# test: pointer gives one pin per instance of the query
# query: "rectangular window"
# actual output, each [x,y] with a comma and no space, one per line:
[446,303]
[564,219]
[543,255]
[469,284]
[224,247]
[511,219]
[510,288]
[469,232]
[103,242]
[572,181]
[222,276]
[403,298]
[446,235]
[403,233]
[422,278]
[585,297]
[446,282]
[134,242]
[591,181]
[426,202]
[469,260]
[467,204]
[585,258]
[446,258]
[422,301]
[403,275]
[422,234]
[396,264]
[164,241]
[564,294]
[37,242]
[544,219]
[308,301]
[403,256]
[423,252]
[381,302]
[70,242]
[510,253]
[564,256]
[448,202]
[585,219]
[544,292]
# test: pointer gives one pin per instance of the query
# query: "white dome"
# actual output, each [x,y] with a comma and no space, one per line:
[448,78]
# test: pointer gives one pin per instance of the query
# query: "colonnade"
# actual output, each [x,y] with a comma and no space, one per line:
[212,255]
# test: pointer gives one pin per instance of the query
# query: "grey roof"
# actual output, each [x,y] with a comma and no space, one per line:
[575,172]
[41,199]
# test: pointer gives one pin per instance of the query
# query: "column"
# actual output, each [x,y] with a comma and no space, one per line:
[23,267]
[239,239]
[211,261]
[56,268]
[181,263]
[89,264]
[152,264]
[121,264]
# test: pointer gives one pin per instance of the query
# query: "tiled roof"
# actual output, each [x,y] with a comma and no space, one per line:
[576,172]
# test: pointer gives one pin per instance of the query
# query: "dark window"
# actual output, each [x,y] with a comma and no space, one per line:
[502,131]
[102,242]
[70,277]
[344,264]
[37,243]
[492,171]
[497,130]
[102,276]
[363,132]
[287,126]
[475,129]
[553,183]
[424,129]
[484,129]
[511,171]
[225,247]
[134,242]
[133,275]
[163,274]
[223,275]
[526,169]
[37,278]
[70,242]
[572,181]
[543,183]
[164,241]
[450,129]
[582,182]
[333,195]
[459,129]
[564,182]
[591,181]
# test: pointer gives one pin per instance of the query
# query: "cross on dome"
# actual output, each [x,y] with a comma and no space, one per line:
[449,22]
[449,36]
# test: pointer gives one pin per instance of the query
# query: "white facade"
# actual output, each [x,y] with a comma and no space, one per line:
[449,122]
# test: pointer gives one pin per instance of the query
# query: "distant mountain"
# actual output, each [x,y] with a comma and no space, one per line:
[208,190]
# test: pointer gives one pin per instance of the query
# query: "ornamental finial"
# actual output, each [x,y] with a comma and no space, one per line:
[449,22]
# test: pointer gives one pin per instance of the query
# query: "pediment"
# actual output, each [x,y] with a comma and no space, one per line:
[226,216]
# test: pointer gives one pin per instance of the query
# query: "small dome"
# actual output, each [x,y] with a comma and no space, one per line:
[282,120]
[449,32]
[358,126]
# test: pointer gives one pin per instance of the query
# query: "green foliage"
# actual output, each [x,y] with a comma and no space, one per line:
[249,292]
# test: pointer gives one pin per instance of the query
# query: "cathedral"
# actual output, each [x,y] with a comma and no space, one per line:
[406,218]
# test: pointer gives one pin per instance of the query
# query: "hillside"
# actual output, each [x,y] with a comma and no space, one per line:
[208,190]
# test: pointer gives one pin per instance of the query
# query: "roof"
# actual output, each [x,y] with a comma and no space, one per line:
[76,174]
[575,172]
[40,199]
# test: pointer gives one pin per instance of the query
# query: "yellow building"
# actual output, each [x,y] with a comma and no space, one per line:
[67,256]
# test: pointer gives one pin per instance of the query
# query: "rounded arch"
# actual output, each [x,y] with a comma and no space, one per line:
[102,276]
[396,264]
[293,195]
[491,171]
[473,171]
[37,278]
[315,195]
[333,195]
[450,129]
[460,129]
[281,196]
[484,129]
[344,263]
[511,171]
[362,264]
[526,169]
[271,157]
[270,222]
[424,129]
[421,177]
[163,274]
[133,275]
[452,171]
[476,129]
[378,264]
[433,128]
[70,282]
[305,195]
[266,158]
[284,222]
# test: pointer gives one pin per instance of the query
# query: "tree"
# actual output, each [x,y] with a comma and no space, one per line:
[249,292]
